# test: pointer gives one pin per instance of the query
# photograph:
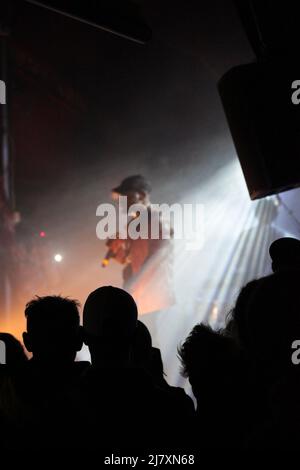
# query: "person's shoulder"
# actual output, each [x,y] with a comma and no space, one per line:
[181,396]
[80,368]
[13,371]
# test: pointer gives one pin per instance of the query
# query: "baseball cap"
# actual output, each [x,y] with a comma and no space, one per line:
[285,253]
[133,183]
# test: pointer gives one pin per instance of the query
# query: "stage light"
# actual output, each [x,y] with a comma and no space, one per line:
[275,199]
[42,234]
[214,313]
[237,236]
[58,258]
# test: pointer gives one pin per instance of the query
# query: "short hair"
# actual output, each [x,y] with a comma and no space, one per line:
[43,313]
[110,313]
[204,348]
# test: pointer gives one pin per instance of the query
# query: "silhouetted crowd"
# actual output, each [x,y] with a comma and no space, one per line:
[245,378]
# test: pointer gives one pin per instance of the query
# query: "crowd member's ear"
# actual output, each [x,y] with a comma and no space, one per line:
[27,340]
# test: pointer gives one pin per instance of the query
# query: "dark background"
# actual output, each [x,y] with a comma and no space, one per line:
[88,108]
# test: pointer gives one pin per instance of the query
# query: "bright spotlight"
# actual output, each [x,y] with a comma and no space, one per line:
[58,258]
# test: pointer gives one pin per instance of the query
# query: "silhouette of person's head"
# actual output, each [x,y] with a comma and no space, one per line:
[215,368]
[285,254]
[109,323]
[273,321]
[53,329]
[205,356]
[14,352]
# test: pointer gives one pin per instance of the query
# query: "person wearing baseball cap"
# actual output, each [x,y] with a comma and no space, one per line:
[147,261]
[135,183]
[285,254]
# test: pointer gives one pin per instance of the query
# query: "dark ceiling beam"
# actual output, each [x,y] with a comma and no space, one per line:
[111,16]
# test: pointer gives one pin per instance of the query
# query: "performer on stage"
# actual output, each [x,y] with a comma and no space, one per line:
[147,272]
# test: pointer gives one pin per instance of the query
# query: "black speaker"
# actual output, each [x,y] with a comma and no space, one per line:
[264,123]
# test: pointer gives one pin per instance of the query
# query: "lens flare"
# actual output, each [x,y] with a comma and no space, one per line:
[58,258]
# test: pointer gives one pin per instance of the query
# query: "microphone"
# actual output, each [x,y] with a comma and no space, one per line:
[109,254]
